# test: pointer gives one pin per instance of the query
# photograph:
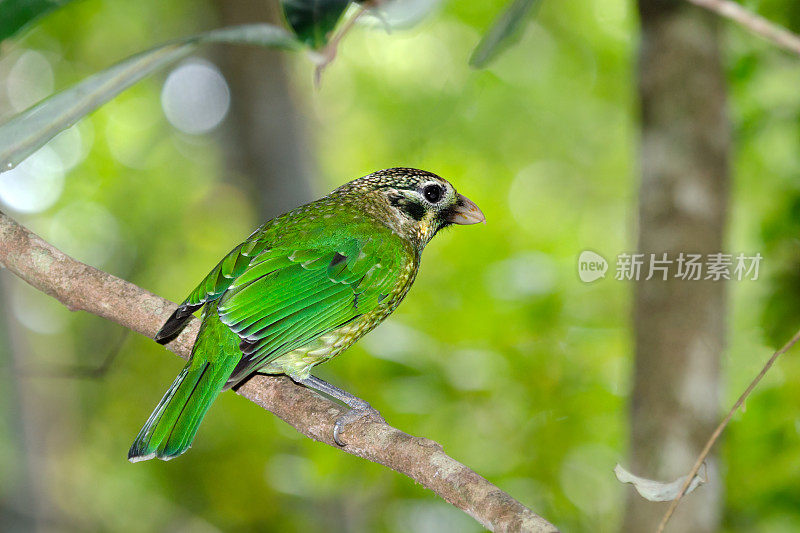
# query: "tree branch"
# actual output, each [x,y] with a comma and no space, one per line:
[82,287]
[753,22]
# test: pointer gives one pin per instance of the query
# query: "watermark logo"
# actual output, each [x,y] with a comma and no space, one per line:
[591,266]
[663,266]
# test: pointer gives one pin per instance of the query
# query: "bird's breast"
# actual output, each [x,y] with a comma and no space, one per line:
[299,362]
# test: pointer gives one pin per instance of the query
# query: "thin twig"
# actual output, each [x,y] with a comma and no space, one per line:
[753,22]
[721,427]
[328,53]
[82,287]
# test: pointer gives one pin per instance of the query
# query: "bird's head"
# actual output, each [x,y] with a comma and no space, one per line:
[418,203]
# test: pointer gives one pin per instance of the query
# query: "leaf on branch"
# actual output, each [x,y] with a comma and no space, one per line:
[659,491]
[313,20]
[16,14]
[29,130]
[505,31]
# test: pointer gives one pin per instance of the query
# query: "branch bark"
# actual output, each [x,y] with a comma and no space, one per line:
[81,287]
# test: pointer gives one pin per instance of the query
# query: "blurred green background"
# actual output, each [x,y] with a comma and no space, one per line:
[500,352]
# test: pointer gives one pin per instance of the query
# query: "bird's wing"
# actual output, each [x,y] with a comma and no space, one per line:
[213,286]
[286,298]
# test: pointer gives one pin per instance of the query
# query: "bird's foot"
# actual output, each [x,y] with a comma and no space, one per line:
[359,409]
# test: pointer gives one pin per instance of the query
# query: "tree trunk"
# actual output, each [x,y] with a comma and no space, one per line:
[679,324]
[265,142]
[21,508]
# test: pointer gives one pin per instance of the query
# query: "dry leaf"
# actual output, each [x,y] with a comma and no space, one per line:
[659,491]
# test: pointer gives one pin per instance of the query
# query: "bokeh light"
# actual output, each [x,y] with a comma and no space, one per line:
[37,311]
[29,80]
[195,97]
[35,184]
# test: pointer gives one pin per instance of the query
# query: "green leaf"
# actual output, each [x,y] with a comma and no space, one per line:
[505,31]
[15,14]
[313,20]
[29,130]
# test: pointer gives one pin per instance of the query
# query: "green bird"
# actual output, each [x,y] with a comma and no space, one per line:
[299,291]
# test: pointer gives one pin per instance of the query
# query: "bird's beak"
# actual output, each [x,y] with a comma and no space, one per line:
[466,212]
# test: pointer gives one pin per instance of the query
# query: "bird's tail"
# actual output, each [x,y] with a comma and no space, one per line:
[171,428]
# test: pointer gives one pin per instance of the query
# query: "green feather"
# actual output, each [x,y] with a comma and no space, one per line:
[171,428]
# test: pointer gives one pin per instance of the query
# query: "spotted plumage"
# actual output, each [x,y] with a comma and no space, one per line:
[299,291]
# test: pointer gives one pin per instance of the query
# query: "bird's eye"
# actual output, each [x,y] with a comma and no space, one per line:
[432,193]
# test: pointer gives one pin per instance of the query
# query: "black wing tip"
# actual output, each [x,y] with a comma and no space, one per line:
[175,323]
[163,337]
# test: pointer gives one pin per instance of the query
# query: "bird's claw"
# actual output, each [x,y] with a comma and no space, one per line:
[357,412]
